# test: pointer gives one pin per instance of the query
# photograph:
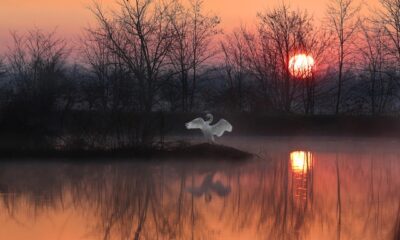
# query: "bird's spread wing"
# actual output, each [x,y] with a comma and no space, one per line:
[196,123]
[220,189]
[220,127]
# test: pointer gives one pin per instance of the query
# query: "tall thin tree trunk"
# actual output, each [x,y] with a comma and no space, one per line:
[340,81]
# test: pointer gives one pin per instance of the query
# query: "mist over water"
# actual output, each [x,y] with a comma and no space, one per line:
[294,189]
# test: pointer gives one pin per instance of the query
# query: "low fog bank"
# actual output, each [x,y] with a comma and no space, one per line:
[83,130]
[249,124]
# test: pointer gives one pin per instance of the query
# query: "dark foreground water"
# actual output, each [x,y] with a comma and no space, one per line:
[295,189]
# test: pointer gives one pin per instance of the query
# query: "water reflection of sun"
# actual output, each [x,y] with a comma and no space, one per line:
[301,161]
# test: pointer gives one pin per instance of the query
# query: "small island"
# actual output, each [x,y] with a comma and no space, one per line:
[181,151]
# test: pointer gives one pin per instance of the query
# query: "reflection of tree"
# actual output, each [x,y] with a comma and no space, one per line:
[143,202]
[268,199]
[133,202]
[339,199]
[302,194]
[45,193]
[289,206]
[295,205]
[278,204]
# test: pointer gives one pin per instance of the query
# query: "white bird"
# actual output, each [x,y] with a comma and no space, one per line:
[208,130]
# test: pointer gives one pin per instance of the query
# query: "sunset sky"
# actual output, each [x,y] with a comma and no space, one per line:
[71,16]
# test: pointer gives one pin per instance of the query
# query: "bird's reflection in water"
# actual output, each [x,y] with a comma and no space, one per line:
[209,186]
[268,199]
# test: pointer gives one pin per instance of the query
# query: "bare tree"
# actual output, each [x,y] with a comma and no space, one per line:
[264,56]
[204,28]
[284,31]
[194,32]
[343,22]
[37,69]
[5,91]
[2,67]
[390,20]
[181,53]
[260,62]
[140,35]
[108,87]
[99,60]
[234,51]
[37,64]
[315,43]
[375,61]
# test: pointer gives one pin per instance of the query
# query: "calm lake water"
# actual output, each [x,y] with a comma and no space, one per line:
[296,188]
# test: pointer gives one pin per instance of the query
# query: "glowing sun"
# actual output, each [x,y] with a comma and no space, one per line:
[301,65]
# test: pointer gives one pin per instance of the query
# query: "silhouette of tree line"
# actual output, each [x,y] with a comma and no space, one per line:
[151,57]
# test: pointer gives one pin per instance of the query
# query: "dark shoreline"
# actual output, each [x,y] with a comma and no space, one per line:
[192,152]
[29,144]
